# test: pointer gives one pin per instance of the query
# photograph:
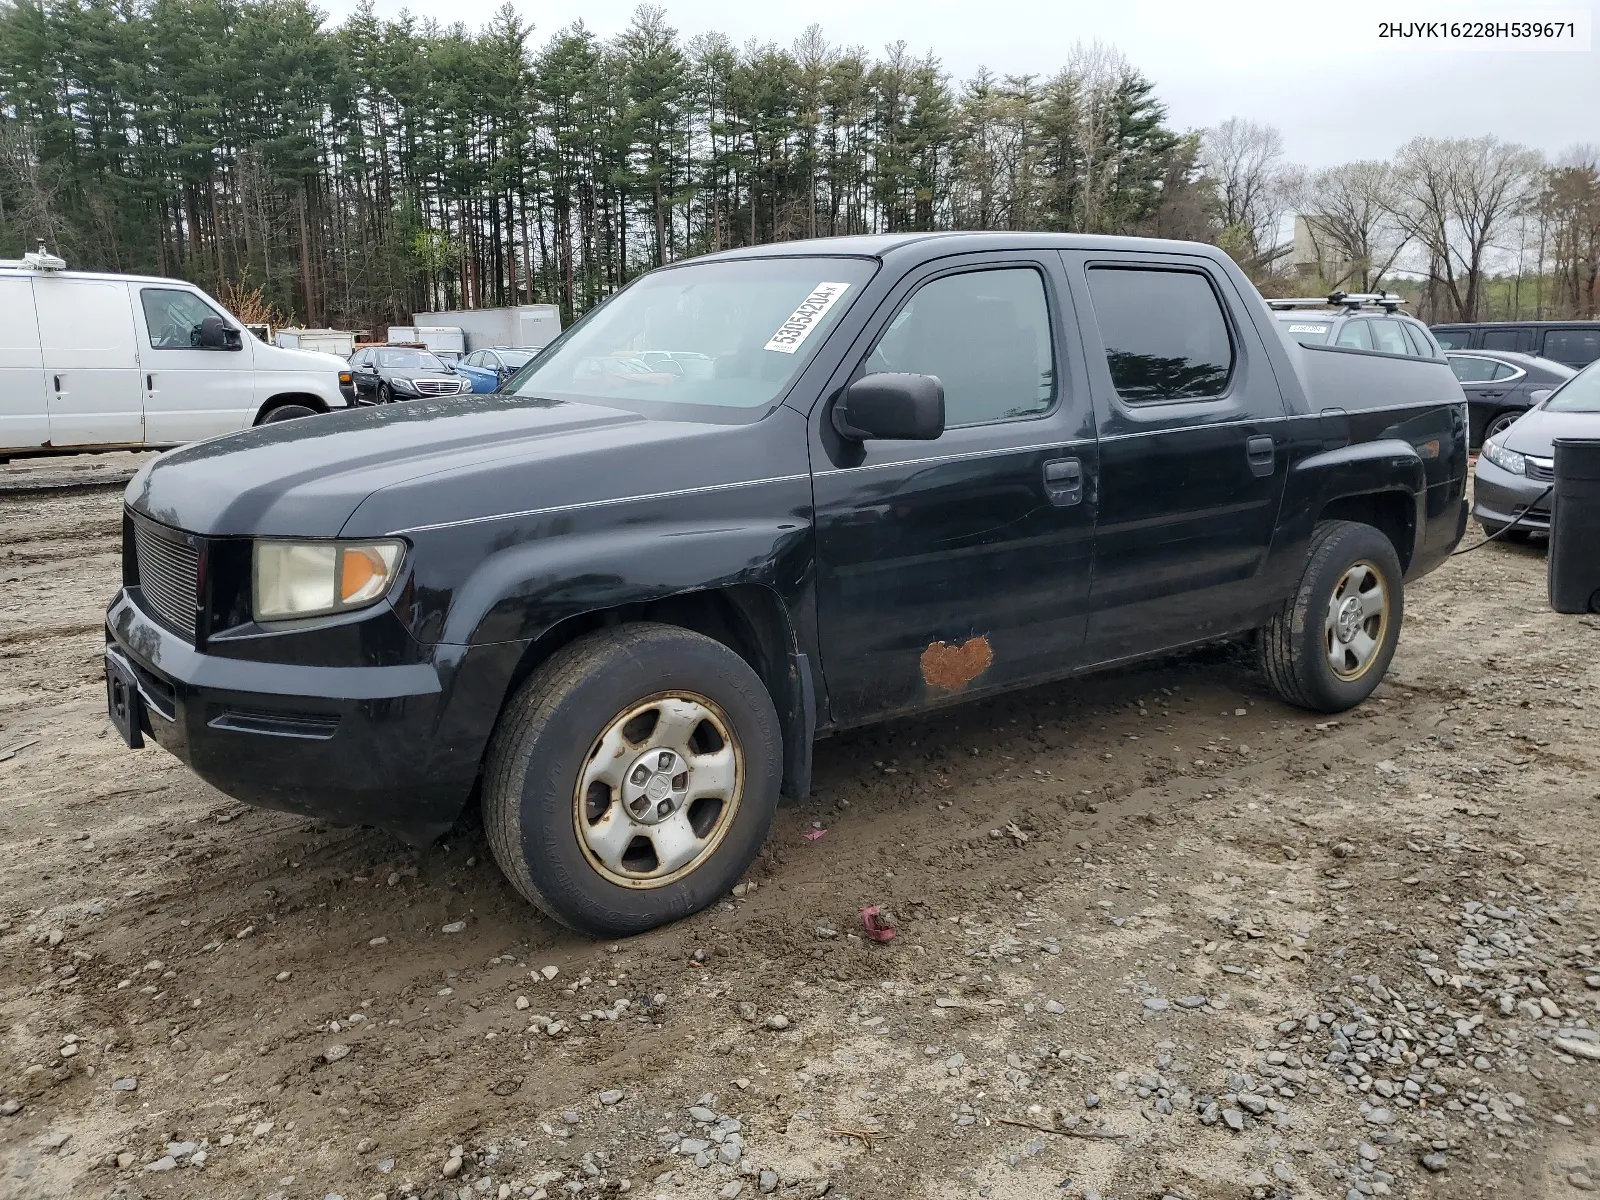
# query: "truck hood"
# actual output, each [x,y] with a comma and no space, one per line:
[267,357]
[305,478]
[1537,429]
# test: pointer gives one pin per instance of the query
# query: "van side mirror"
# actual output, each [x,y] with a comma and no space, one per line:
[891,406]
[215,335]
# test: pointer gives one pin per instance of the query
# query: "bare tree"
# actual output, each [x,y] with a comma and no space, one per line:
[1348,213]
[1244,162]
[1453,197]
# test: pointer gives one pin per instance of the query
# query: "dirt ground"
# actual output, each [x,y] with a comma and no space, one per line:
[1158,935]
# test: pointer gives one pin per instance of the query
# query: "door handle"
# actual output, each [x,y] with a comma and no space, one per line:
[149,383]
[1063,481]
[58,385]
[1261,455]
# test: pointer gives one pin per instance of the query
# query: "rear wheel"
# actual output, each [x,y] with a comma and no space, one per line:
[1330,644]
[288,412]
[1501,422]
[633,778]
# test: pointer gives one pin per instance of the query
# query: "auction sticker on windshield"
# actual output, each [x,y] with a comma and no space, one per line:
[792,333]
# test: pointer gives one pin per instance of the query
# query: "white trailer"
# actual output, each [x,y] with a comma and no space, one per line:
[324,341]
[444,340]
[526,326]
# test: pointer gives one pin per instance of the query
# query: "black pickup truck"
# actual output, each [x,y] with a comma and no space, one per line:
[621,603]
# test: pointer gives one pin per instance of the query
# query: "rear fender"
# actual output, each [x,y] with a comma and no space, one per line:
[1386,478]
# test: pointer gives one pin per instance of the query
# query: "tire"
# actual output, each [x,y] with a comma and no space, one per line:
[1301,642]
[1500,422]
[566,838]
[288,412]
[385,395]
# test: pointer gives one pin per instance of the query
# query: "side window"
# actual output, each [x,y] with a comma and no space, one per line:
[1501,339]
[1471,369]
[1504,370]
[1421,340]
[1357,335]
[1575,347]
[1389,337]
[359,358]
[475,359]
[1164,334]
[173,317]
[1452,339]
[985,334]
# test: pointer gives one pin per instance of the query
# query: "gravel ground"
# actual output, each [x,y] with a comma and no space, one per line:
[1158,935]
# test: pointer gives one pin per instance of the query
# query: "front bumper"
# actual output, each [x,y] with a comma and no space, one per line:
[1499,498]
[353,745]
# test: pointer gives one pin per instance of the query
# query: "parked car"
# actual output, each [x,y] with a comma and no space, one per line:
[1501,385]
[923,468]
[384,374]
[1370,322]
[1516,471]
[503,361]
[1575,344]
[92,361]
[482,379]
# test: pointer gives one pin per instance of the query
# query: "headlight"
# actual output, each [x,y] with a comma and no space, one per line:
[307,579]
[1506,460]
[403,385]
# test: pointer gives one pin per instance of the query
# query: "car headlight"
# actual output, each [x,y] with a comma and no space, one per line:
[1506,460]
[308,579]
[403,385]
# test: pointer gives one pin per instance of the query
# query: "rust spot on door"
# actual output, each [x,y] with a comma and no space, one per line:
[950,668]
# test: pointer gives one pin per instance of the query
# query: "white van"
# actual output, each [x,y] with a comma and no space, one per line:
[90,361]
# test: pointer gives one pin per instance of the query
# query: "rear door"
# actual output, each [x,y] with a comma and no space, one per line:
[1577,348]
[24,409]
[962,564]
[1193,450]
[91,361]
[190,392]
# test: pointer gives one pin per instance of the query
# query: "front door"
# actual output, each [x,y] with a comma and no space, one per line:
[91,365]
[959,565]
[190,392]
[24,410]
[1193,451]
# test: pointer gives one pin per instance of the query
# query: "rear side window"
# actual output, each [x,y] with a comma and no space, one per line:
[1501,339]
[1452,339]
[1418,339]
[1576,347]
[1504,371]
[1164,334]
[1356,335]
[1389,337]
[1471,369]
[986,335]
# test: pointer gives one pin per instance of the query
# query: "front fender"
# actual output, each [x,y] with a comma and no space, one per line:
[521,592]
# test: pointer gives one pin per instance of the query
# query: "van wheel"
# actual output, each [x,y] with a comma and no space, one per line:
[288,412]
[1330,644]
[632,779]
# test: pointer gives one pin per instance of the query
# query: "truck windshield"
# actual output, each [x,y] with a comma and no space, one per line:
[1581,393]
[732,334]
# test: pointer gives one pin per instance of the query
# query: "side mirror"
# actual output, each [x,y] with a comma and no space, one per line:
[215,335]
[1539,397]
[891,406]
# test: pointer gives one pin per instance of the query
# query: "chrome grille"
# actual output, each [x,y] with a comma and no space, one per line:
[169,577]
[1541,469]
[441,387]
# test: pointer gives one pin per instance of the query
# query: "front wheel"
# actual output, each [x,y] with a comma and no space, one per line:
[385,394]
[288,412]
[632,779]
[1329,645]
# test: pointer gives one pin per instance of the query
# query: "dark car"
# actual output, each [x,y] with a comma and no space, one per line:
[504,361]
[1501,385]
[1575,344]
[621,601]
[1516,471]
[383,374]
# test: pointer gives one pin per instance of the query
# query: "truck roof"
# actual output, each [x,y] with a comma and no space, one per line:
[879,244]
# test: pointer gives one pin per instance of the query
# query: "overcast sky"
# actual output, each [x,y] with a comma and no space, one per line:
[1316,70]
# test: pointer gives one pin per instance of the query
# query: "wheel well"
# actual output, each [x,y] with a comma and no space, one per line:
[750,620]
[1392,513]
[314,403]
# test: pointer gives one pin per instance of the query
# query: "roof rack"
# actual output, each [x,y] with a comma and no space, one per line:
[38,260]
[1388,301]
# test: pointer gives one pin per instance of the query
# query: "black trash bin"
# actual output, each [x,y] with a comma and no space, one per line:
[1575,527]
